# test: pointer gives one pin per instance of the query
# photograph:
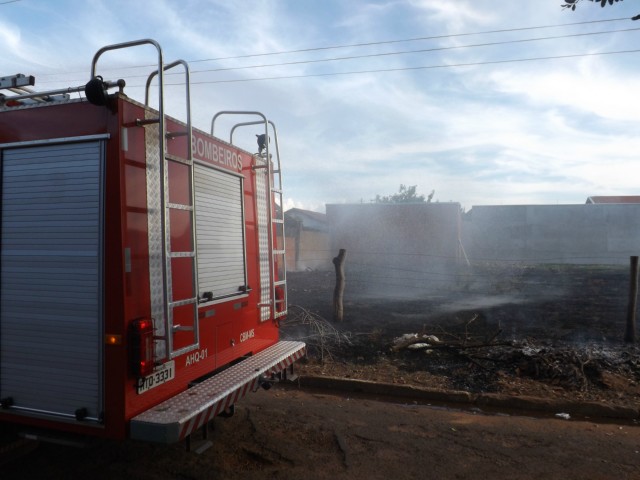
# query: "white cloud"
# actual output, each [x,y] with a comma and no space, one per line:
[458,15]
[515,132]
[591,88]
[19,53]
[10,36]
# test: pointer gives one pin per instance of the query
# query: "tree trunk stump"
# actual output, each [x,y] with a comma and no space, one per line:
[338,292]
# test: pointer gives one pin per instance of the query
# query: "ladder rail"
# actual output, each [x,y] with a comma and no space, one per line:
[48,95]
[162,301]
[274,180]
[169,254]
[17,81]
[159,306]
[276,191]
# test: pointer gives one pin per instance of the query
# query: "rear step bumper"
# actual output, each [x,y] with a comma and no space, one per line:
[179,416]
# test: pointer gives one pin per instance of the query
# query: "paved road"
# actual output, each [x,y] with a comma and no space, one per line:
[294,434]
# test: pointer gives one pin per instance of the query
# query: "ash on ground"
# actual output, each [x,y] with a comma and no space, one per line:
[546,331]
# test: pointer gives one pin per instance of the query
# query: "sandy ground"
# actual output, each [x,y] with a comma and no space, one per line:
[289,433]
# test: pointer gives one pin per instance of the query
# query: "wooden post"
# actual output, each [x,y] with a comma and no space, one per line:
[630,334]
[338,292]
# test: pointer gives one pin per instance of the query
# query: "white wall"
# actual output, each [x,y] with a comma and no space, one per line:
[581,234]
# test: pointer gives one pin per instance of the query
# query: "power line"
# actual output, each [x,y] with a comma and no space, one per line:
[416,39]
[402,69]
[423,50]
[354,57]
[10,1]
[382,42]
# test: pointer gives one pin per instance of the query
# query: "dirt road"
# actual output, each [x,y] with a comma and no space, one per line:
[289,433]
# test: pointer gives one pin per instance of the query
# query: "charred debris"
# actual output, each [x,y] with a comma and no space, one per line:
[559,325]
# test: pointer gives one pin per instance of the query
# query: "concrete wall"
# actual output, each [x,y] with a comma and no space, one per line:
[581,234]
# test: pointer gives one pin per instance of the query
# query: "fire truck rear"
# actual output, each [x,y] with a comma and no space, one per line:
[142,268]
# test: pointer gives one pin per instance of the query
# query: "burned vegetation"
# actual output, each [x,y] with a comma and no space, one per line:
[536,330]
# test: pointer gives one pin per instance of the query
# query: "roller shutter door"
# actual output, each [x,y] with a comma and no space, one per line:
[220,233]
[50,278]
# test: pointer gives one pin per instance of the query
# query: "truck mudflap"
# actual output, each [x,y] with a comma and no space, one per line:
[178,417]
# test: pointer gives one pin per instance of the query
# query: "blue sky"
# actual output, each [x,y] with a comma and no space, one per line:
[480,124]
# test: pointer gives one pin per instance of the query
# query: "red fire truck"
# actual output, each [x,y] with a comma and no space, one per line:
[142,272]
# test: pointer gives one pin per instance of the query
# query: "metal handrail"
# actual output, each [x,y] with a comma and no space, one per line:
[162,148]
[271,189]
[193,203]
[240,112]
[49,93]
[275,135]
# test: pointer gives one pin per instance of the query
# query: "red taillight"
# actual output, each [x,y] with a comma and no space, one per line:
[142,347]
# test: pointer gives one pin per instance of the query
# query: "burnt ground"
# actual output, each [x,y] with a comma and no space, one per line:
[551,331]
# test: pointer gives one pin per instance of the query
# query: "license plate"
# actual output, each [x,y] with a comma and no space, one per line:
[160,375]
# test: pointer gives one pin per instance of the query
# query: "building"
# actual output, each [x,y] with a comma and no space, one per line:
[307,240]
[620,199]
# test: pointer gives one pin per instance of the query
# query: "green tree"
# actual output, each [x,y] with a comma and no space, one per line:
[405,195]
[571,4]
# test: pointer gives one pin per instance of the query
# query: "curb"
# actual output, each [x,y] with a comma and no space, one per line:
[490,400]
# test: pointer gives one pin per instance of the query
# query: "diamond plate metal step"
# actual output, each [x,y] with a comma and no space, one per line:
[179,416]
